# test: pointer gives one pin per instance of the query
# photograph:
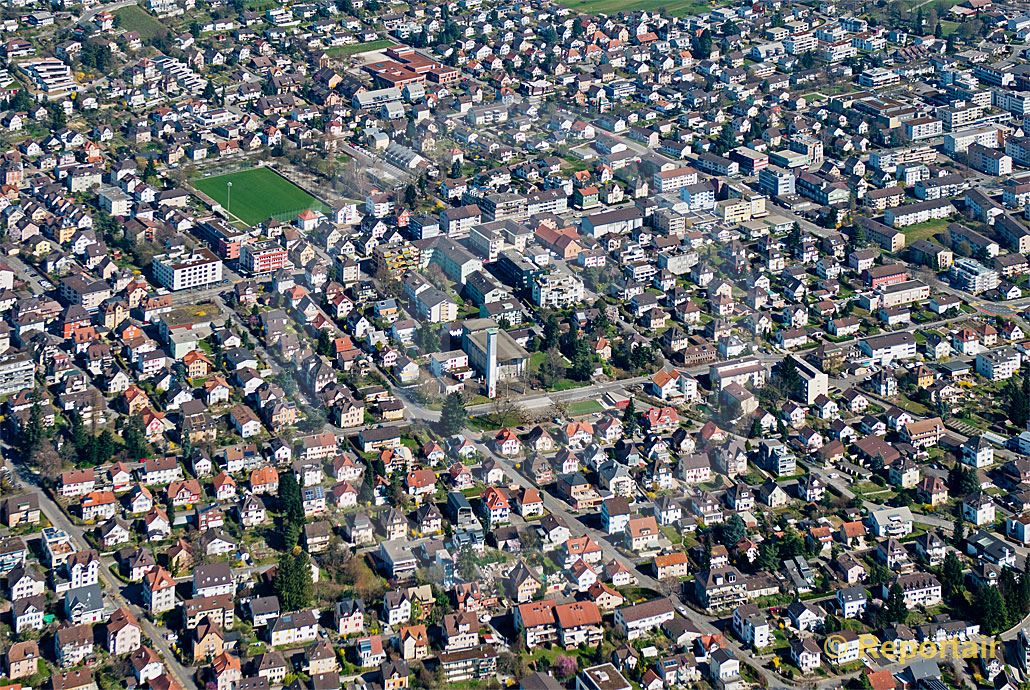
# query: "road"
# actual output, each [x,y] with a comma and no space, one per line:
[112,586]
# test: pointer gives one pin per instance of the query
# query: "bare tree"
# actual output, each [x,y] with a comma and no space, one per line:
[48,461]
[505,407]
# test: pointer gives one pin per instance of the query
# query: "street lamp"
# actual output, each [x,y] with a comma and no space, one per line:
[228,196]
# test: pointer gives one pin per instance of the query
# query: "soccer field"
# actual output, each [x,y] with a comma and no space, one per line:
[257,195]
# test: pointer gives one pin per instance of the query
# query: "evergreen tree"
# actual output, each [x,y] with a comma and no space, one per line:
[756,429]
[150,171]
[454,415]
[58,118]
[410,196]
[731,532]
[291,504]
[952,578]
[582,361]
[895,610]
[32,434]
[136,443]
[367,490]
[970,483]
[552,332]
[630,421]
[991,605]
[293,583]
[1017,395]
[20,101]
[602,325]
[768,557]
[701,47]
[1011,593]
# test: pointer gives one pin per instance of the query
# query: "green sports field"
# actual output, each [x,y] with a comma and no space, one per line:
[677,8]
[358,48]
[257,195]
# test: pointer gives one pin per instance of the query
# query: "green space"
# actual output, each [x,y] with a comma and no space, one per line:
[924,231]
[356,48]
[583,407]
[258,194]
[135,18]
[677,8]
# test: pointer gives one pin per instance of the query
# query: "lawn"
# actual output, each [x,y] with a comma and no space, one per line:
[677,8]
[924,231]
[355,48]
[583,407]
[135,18]
[258,194]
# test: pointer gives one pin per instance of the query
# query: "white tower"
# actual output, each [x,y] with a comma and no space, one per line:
[491,363]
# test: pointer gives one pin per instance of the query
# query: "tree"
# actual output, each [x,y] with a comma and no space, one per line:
[410,196]
[467,564]
[958,534]
[564,667]
[293,583]
[150,171]
[454,415]
[701,46]
[1017,395]
[894,609]
[731,532]
[32,434]
[136,443]
[859,238]
[1013,594]
[552,369]
[552,332]
[428,339]
[630,421]
[48,461]
[602,325]
[970,483]
[991,605]
[20,101]
[58,118]
[582,362]
[952,578]
[291,504]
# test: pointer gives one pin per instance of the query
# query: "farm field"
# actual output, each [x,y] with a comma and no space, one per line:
[257,195]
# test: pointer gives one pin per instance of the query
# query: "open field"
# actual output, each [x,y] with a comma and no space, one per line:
[924,231]
[677,8]
[347,51]
[135,18]
[257,194]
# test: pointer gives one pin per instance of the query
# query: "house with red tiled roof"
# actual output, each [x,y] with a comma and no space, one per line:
[507,443]
[496,507]
[420,483]
[264,480]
